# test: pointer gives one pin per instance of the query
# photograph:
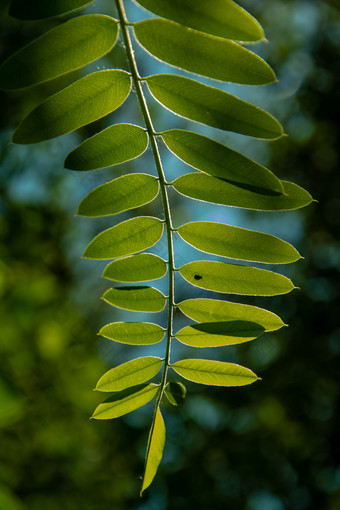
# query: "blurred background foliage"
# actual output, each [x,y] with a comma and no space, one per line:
[271,446]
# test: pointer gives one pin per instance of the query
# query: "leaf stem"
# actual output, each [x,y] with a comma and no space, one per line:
[137,81]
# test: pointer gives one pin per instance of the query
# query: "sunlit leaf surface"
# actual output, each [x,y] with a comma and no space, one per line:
[84,101]
[202,54]
[215,373]
[214,107]
[223,18]
[67,47]
[129,374]
[133,333]
[125,401]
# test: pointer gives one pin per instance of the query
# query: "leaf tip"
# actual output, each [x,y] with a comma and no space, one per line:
[86,255]
[14,138]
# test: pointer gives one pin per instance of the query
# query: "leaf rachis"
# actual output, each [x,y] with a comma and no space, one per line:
[166,209]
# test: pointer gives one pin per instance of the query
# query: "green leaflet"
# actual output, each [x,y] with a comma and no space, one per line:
[154,451]
[129,374]
[217,191]
[137,299]
[40,9]
[133,333]
[84,101]
[215,373]
[175,392]
[234,279]
[112,146]
[125,401]
[127,237]
[67,47]
[121,194]
[216,334]
[208,105]
[222,18]
[215,310]
[136,268]
[219,161]
[237,243]
[201,53]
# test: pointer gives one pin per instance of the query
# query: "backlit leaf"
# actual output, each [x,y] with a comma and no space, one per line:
[215,310]
[201,53]
[208,105]
[133,333]
[112,146]
[67,47]
[127,237]
[217,191]
[175,392]
[237,243]
[138,299]
[216,334]
[40,9]
[235,279]
[121,194]
[82,102]
[136,268]
[222,18]
[125,401]
[219,161]
[154,450]
[215,373]
[129,374]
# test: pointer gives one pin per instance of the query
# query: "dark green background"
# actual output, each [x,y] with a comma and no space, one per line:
[270,446]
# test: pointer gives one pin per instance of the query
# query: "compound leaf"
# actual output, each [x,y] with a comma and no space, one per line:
[215,373]
[137,299]
[67,47]
[235,279]
[112,146]
[125,401]
[133,333]
[136,268]
[200,37]
[84,101]
[237,243]
[129,374]
[203,54]
[127,237]
[208,105]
